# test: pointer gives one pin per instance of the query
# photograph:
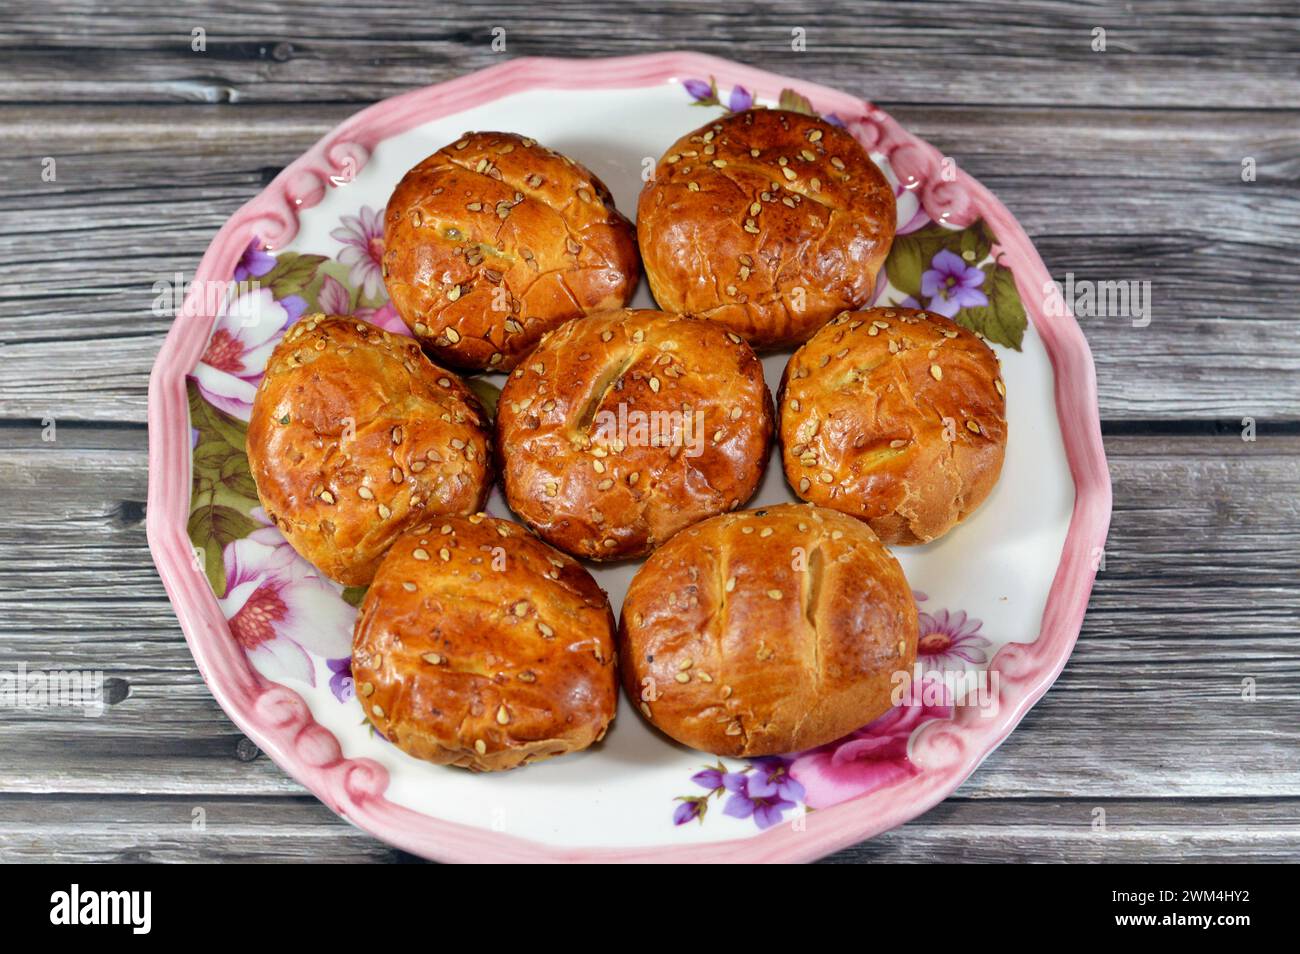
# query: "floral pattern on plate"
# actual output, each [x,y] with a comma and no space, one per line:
[286,616]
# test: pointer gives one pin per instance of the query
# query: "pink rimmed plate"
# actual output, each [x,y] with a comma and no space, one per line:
[1002,596]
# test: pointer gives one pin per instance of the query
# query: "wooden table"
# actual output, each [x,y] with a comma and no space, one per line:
[1123,164]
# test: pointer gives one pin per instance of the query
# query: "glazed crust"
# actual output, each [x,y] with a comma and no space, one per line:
[767,221]
[767,631]
[477,645]
[897,417]
[354,436]
[604,490]
[494,240]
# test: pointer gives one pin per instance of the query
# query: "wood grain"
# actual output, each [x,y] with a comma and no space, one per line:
[1122,165]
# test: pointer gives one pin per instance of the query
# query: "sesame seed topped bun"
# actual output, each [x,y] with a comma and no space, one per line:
[767,631]
[477,645]
[624,427]
[354,436]
[768,221]
[494,240]
[897,417]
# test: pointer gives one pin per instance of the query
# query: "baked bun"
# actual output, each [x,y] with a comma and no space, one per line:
[354,436]
[767,631]
[626,426]
[767,221]
[494,240]
[895,416]
[478,645]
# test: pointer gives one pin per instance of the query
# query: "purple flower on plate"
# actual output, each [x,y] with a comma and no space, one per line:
[341,680]
[771,779]
[741,99]
[950,640]
[835,120]
[689,810]
[951,284]
[362,236]
[746,800]
[698,89]
[710,778]
[254,263]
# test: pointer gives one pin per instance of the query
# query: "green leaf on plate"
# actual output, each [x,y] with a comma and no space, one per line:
[353,595]
[211,527]
[292,274]
[1003,320]
[223,493]
[487,393]
[912,254]
[796,103]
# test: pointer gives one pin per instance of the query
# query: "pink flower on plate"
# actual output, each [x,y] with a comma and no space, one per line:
[950,641]
[280,608]
[362,236]
[872,758]
[246,333]
[335,299]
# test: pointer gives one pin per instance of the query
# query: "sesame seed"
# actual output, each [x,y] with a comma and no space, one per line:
[384,512]
[546,631]
[973,427]
[432,658]
[731,584]
[326,496]
[683,677]
[445,554]
[767,532]
[789,173]
[367,688]
[654,384]
[1000,386]
[420,553]
[480,746]
[409,586]
[520,608]
[774,594]
[936,372]
[814,135]
[804,484]
[503,716]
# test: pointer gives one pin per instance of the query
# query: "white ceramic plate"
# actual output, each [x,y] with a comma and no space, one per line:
[273,637]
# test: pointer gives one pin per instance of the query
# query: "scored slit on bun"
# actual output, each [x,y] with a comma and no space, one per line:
[626,426]
[767,221]
[767,631]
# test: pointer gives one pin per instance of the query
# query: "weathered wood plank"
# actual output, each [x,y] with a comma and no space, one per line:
[1199,593]
[1158,54]
[1149,200]
[297,829]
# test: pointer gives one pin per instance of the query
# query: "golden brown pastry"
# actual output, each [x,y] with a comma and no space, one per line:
[895,416]
[767,221]
[767,631]
[478,645]
[354,436]
[494,240]
[624,427]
